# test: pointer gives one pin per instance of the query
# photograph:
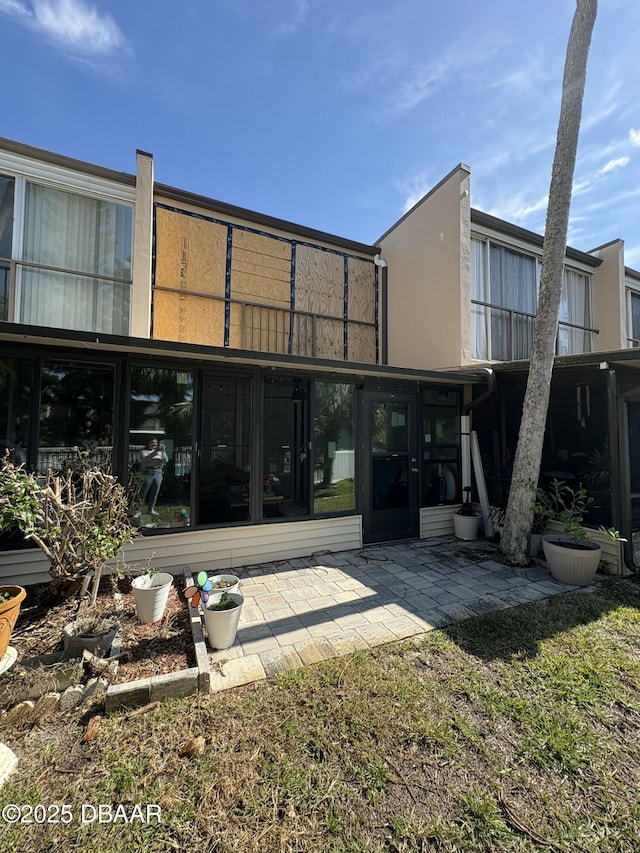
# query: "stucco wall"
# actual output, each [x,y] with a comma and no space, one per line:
[427,253]
[609,297]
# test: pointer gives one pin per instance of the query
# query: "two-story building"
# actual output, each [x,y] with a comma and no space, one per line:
[465,288]
[255,351]
[307,389]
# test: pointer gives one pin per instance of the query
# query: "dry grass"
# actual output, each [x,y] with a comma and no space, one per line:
[515,731]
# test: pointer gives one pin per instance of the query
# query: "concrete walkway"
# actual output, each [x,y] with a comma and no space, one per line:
[306,610]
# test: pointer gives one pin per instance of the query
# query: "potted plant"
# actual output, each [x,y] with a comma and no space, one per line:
[225,583]
[466,521]
[221,617]
[80,520]
[11,597]
[571,557]
[151,592]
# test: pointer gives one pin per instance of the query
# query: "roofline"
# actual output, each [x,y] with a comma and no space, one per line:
[459,168]
[479,217]
[262,219]
[67,162]
[632,273]
[14,333]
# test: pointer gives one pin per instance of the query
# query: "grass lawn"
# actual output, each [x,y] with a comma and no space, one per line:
[514,731]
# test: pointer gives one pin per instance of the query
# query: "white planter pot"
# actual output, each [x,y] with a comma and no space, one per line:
[572,565]
[231,583]
[222,625]
[74,642]
[466,526]
[151,593]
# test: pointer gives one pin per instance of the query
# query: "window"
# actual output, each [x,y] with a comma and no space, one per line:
[7,187]
[72,257]
[504,293]
[285,478]
[441,447]
[92,239]
[76,415]
[575,309]
[224,491]
[633,315]
[160,449]
[507,281]
[333,485]
[16,382]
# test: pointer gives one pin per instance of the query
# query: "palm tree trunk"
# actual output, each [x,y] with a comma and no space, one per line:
[526,467]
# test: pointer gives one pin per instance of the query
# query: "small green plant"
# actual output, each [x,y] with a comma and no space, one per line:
[225,603]
[570,507]
[79,519]
[543,511]
[612,533]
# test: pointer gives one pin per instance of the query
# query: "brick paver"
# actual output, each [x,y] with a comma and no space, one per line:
[301,611]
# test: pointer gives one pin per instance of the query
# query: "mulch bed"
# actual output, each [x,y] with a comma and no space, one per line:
[145,650]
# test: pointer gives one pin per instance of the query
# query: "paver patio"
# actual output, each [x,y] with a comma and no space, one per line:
[305,610]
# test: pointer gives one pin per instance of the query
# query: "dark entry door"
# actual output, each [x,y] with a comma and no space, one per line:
[391,467]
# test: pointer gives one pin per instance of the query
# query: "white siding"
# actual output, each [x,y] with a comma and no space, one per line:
[228,548]
[436,521]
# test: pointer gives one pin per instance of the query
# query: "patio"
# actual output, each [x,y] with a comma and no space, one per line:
[302,611]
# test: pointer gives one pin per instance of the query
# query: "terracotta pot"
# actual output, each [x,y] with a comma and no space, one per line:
[9,613]
[571,562]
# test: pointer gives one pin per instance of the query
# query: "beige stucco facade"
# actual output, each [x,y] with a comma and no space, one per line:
[429,285]
[609,307]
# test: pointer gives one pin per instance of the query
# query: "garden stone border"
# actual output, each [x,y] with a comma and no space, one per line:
[184,682]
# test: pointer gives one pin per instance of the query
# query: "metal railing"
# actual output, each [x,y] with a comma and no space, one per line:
[260,327]
[508,333]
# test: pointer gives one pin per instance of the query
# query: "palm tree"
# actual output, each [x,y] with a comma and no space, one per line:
[526,468]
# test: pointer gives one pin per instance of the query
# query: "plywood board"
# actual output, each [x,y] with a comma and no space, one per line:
[188,319]
[260,269]
[362,305]
[265,329]
[362,343]
[191,253]
[319,283]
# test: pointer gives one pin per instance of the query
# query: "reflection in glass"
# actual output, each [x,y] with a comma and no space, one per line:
[76,415]
[285,479]
[334,489]
[15,400]
[441,447]
[160,446]
[225,459]
[389,427]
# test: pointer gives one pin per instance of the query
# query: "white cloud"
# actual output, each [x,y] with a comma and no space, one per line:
[634,137]
[616,163]
[70,24]
[296,17]
[518,210]
[428,78]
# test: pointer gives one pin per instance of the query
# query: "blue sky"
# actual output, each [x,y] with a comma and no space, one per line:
[335,114]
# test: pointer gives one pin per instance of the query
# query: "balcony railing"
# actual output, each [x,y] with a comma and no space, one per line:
[505,334]
[260,327]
